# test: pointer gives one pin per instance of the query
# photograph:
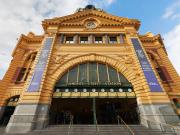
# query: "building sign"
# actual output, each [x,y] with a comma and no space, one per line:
[41,65]
[146,67]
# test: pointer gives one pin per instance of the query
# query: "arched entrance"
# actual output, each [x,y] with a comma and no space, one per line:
[9,110]
[93,77]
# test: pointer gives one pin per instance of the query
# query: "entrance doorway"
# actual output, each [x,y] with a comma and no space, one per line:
[63,110]
[88,110]
[9,110]
[113,110]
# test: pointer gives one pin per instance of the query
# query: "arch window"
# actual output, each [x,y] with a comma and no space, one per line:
[93,76]
[161,70]
[22,73]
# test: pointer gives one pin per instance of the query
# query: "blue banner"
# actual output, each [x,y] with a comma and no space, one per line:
[146,67]
[41,65]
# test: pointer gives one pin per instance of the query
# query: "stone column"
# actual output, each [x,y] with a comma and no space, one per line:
[32,112]
[155,116]
[90,39]
[121,39]
[76,39]
[28,117]
[106,40]
[155,111]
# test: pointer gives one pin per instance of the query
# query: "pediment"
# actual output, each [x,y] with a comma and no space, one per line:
[80,18]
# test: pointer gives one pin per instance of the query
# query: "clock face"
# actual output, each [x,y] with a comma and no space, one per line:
[91,25]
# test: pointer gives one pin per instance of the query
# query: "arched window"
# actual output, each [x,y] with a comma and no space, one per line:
[93,76]
[161,70]
[22,73]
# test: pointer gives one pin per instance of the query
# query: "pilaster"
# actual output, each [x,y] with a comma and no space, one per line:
[30,114]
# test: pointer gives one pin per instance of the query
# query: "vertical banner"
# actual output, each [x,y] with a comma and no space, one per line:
[41,65]
[146,67]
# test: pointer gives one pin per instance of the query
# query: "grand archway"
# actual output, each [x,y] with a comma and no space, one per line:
[93,77]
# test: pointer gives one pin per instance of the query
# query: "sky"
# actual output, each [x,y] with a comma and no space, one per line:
[22,16]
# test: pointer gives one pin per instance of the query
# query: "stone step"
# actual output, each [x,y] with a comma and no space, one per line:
[91,130]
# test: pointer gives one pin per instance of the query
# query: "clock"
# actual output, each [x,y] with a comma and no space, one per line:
[91,25]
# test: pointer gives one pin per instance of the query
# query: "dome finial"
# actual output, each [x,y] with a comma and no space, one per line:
[90,7]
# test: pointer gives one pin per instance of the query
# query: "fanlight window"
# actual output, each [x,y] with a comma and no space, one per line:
[93,76]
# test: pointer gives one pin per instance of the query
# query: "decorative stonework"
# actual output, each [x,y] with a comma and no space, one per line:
[59,59]
[90,25]
[125,59]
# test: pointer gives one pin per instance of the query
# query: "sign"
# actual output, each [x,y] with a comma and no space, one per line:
[41,65]
[146,67]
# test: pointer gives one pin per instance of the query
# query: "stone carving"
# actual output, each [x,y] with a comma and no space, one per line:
[125,58]
[91,25]
[59,59]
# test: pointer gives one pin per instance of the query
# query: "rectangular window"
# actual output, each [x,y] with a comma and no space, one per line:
[72,78]
[29,69]
[83,40]
[69,40]
[113,40]
[103,76]
[98,40]
[161,74]
[113,75]
[93,77]
[21,75]
[83,73]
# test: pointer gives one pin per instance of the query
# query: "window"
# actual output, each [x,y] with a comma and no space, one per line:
[98,40]
[21,75]
[112,40]
[69,40]
[161,74]
[83,40]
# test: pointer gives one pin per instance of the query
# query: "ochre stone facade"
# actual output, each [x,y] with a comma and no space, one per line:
[63,56]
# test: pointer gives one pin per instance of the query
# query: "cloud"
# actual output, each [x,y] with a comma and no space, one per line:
[22,16]
[172,12]
[172,37]
[172,43]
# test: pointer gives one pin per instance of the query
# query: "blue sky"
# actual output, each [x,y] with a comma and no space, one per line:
[21,16]
[149,12]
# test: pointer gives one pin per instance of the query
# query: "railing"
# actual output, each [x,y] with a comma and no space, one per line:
[164,127]
[70,124]
[122,121]
[97,128]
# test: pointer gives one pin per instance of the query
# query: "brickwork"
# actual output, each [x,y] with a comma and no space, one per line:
[63,57]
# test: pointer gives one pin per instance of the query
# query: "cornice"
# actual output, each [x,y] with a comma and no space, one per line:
[151,39]
[146,38]
[31,39]
[119,20]
[27,39]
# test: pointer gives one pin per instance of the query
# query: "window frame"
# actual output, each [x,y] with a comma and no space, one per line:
[69,41]
[98,41]
[113,42]
[83,41]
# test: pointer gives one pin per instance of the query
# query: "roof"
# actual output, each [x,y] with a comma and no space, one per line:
[90,11]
